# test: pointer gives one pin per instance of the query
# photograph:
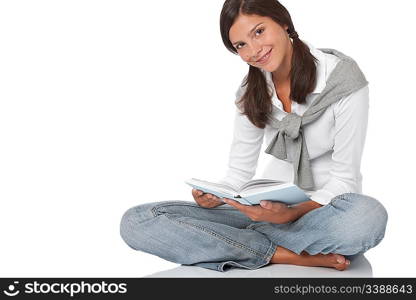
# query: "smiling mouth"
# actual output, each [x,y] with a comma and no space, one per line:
[265,57]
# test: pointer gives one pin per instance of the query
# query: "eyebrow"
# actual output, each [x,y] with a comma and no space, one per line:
[248,33]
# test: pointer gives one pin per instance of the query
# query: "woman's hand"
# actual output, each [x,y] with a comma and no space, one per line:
[274,212]
[206,200]
[267,211]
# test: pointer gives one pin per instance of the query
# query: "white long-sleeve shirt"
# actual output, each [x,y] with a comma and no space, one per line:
[335,141]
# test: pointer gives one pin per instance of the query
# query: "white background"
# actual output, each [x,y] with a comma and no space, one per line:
[109,104]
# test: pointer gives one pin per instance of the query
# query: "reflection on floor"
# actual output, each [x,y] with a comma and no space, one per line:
[360,267]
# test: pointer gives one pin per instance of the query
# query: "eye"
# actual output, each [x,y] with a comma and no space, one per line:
[261,30]
[238,46]
[257,32]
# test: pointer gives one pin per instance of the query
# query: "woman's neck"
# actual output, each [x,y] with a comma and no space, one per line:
[281,76]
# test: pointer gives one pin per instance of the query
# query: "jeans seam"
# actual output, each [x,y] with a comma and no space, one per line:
[225,239]
[156,207]
[214,234]
[267,257]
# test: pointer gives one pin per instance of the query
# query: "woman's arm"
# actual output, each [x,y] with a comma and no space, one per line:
[303,208]
[274,212]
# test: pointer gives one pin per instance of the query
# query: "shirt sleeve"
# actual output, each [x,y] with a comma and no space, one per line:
[351,118]
[245,150]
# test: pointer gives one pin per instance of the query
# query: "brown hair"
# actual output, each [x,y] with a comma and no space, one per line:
[256,101]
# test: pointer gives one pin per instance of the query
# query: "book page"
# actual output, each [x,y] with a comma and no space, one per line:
[223,188]
[253,190]
[258,183]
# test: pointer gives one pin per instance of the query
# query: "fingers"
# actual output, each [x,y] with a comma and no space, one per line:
[205,199]
[236,204]
[254,212]
[197,193]
[211,197]
[266,204]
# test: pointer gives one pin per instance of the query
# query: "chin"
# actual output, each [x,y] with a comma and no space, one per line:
[269,68]
[274,66]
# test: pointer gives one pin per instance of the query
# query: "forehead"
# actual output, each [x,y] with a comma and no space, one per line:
[244,23]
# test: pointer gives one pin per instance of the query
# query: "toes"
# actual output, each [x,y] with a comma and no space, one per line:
[341,263]
[339,259]
[342,267]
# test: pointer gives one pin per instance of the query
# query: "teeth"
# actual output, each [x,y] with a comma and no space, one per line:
[264,57]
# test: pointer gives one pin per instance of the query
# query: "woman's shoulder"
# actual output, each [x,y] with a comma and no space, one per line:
[331,63]
[325,61]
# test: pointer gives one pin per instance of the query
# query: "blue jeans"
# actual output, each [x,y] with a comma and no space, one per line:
[222,238]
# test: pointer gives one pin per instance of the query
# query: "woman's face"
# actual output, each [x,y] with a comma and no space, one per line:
[260,41]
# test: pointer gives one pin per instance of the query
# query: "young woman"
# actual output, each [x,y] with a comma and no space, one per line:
[311,106]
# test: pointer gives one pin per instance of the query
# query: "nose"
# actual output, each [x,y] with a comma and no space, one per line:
[256,51]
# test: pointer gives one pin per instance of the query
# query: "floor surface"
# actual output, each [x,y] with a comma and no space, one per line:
[360,267]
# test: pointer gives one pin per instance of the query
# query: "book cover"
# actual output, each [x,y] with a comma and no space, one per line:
[252,192]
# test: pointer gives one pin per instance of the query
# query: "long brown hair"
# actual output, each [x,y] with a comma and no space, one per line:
[256,101]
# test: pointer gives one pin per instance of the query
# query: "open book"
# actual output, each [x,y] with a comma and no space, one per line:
[253,191]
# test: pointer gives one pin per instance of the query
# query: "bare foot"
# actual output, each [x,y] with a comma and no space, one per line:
[285,256]
[336,261]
